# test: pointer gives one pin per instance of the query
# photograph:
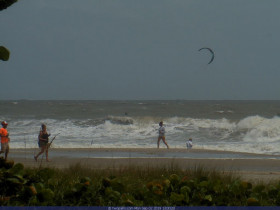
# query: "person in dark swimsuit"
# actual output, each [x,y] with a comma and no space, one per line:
[43,140]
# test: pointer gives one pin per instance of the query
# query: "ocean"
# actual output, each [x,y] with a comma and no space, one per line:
[237,126]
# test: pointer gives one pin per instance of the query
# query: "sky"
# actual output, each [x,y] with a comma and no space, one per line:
[141,50]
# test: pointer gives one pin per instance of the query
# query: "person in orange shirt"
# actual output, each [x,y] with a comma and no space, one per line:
[4,139]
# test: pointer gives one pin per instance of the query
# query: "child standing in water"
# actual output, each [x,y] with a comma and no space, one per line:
[161,135]
[189,143]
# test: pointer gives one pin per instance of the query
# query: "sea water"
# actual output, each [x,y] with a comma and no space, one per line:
[239,126]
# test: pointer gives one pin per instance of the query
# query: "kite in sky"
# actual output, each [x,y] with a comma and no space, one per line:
[211,51]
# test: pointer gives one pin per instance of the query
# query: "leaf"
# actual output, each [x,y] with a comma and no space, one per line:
[253,202]
[47,194]
[176,198]
[174,179]
[185,189]
[203,184]
[4,53]
[208,197]
[4,4]
[14,180]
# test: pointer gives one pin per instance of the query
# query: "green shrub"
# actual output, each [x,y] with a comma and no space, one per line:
[79,186]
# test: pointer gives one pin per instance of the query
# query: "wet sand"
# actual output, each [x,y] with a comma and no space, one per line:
[248,166]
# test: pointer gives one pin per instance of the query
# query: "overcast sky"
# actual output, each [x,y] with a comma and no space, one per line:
[141,49]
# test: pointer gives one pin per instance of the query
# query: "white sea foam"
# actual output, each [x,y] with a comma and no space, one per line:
[252,134]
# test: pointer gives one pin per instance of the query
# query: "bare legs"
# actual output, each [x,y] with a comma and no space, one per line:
[43,149]
[163,139]
[5,148]
[6,154]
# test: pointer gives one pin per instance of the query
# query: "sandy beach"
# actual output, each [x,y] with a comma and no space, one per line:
[250,167]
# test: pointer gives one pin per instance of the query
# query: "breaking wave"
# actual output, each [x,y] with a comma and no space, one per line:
[252,134]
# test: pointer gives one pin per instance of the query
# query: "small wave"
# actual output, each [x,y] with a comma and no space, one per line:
[120,120]
[222,111]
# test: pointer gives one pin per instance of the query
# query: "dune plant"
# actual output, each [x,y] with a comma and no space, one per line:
[129,186]
[4,52]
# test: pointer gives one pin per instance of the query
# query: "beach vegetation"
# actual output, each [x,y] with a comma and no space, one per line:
[129,186]
[4,52]
[4,4]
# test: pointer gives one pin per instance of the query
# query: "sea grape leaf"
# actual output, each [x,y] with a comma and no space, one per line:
[4,4]
[4,53]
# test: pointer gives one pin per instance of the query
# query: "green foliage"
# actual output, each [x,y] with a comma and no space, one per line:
[4,52]
[4,4]
[79,186]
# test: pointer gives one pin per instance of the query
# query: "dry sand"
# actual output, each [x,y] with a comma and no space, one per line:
[262,168]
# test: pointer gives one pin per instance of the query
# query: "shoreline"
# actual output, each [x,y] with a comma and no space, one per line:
[248,166]
[144,152]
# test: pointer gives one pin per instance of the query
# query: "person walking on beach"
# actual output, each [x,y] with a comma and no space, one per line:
[4,139]
[189,143]
[161,135]
[43,140]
